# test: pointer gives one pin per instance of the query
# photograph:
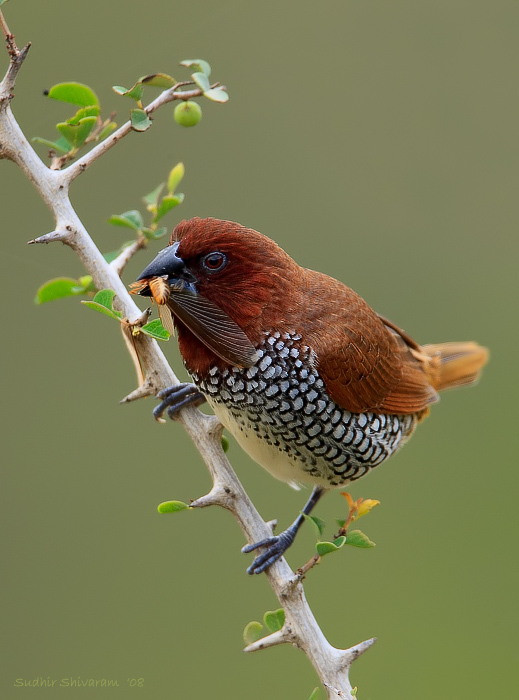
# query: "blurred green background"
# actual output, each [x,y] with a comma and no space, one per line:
[374,141]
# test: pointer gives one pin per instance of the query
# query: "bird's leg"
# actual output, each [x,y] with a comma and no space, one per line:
[176,397]
[278,545]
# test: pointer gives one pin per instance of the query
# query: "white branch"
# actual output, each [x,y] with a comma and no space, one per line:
[272,640]
[300,628]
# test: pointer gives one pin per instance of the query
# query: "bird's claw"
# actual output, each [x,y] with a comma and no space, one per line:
[276,547]
[176,397]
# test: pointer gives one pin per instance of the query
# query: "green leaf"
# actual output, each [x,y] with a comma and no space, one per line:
[75,93]
[216,95]
[156,330]
[324,548]
[62,287]
[77,134]
[103,302]
[172,506]
[356,538]
[161,80]
[316,522]
[151,199]
[274,619]
[134,93]
[315,694]
[140,120]
[252,632]
[61,145]
[84,112]
[175,177]
[155,235]
[225,444]
[129,219]
[168,203]
[202,81]
[341,523]
[198,64]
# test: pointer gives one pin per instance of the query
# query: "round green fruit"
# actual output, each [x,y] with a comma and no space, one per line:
[187,113]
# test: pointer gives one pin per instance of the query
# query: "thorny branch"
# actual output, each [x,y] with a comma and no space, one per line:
[300,628]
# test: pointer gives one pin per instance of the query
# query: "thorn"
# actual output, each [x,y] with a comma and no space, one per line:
[141,392]
[353,653]
[217,496]
[51,237]
[272,640]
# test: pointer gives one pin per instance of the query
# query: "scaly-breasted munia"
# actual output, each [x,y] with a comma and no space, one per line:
[313,384]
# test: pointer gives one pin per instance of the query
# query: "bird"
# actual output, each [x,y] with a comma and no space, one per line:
[312,383]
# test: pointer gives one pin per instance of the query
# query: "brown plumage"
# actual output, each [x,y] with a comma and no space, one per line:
[367,363]
[313,383]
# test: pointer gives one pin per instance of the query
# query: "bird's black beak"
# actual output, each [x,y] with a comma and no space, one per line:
[168,264]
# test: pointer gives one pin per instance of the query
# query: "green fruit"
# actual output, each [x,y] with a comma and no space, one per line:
[188,113]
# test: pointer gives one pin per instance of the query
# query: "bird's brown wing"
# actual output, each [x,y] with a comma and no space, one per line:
[366,362]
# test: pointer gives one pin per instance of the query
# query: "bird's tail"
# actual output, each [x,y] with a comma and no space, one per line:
[454,364]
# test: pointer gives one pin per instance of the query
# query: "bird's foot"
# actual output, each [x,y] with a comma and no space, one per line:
[276,547]
[176,397]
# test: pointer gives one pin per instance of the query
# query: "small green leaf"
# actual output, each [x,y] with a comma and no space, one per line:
[341,523]
[172,506]
[356,538]
[316,522]
[175,177]
[155,329]
[62,287]
[155,235]
[324,548]
[129,219]
[161,80]
[103,302]
[105,297]
[202,81]
[216,95]
[85,284]
[134,93]
[102,309]
[198,64]
[225,444]
[140,120]
[315,694]
[75,93]
[60,146]
[151,199]
[252,632]
[168,203]
[274,619]
[77,134]
[84,112]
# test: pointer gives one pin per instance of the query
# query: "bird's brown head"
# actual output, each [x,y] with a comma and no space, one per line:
[227,285]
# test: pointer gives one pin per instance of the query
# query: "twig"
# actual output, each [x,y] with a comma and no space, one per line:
[17,57]
[124,257]
[70,173]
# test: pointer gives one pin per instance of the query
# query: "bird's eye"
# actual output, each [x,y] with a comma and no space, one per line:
[214,262]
